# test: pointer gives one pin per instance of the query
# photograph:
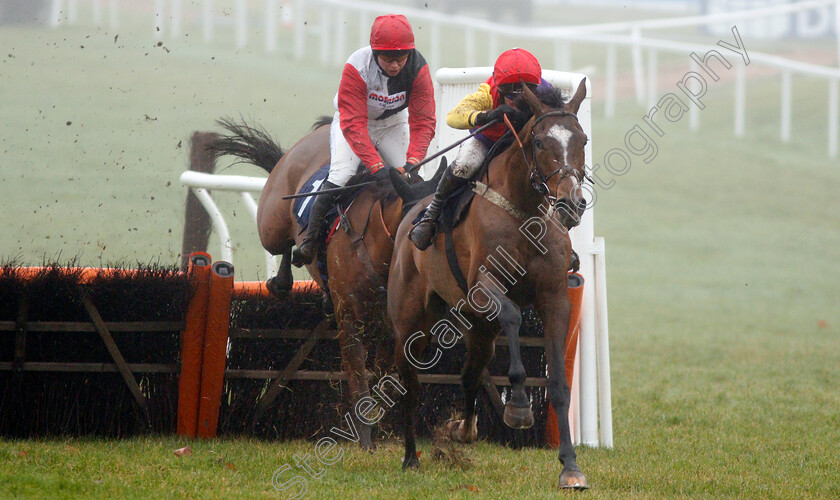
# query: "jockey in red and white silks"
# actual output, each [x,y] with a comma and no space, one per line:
[380,119]
[385,117]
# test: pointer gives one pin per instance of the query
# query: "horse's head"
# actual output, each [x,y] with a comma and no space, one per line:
[554,150]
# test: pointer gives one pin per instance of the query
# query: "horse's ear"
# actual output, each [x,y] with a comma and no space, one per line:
[533,101]
[574,103]
[439,173]
[400,185]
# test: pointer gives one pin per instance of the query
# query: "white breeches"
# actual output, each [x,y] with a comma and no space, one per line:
[471,155]
[390,137]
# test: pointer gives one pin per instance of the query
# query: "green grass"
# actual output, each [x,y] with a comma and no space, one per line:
[725,331]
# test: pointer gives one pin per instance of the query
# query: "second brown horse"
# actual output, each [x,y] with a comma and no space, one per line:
[357,257]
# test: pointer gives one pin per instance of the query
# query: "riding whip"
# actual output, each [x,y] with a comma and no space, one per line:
[408,171]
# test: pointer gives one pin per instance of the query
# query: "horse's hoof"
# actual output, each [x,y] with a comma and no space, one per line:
[452,427]
[411,462]
[518,418]
[456,432]
[574,264]
[276,287]
[573,480]
[303,255]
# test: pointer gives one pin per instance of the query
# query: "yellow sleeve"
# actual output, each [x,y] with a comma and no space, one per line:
[462,116]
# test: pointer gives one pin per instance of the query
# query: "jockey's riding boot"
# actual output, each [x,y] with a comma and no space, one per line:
[424,231]
[308,248]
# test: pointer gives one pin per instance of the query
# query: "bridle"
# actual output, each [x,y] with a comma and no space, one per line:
[539,181]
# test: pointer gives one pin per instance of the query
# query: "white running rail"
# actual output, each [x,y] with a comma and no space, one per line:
[201,184]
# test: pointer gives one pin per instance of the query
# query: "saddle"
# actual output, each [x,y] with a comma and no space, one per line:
[455,209]
[457,205]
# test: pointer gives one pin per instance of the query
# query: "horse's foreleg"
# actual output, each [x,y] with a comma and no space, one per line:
[555,314]
[353,356]
[518,414]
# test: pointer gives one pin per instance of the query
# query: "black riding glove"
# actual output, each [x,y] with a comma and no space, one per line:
[382,178]
[486,117]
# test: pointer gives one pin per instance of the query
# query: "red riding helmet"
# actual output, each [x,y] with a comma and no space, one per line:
[391,32]
[517,64]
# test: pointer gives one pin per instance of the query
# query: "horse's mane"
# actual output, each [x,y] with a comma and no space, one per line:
[551,96]
[321,121]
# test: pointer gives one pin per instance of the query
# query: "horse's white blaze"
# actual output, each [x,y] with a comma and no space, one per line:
[562,134]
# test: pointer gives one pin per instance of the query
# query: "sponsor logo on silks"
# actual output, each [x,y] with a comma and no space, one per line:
[388,100]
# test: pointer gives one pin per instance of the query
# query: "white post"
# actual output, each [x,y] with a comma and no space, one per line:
[652,78]
[434,62]
[574,396]
[158,18]
[218,222]
[785,126]
[364,28]
[609,93]
[603,345]
[207,17]
[469,50]
[694,111]
[287,13]
[72,12]
[837,28]
[588,360]
[113,14]
[339,54]
[562,55]
[300,27]
[832,117]
[55,13]
[585,236]
[270,25]
[176,19]
[241,23]
[493,47]
[251,207]
[97,12]
[740,98]
[638,70]
[324,31]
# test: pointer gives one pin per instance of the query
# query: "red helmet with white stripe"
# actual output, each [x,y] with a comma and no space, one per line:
[516,65]
[391,32]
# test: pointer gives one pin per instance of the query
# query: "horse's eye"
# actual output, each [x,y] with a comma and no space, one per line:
[538,143]
[585,140]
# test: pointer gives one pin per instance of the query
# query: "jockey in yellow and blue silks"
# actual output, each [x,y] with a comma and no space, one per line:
[497,96]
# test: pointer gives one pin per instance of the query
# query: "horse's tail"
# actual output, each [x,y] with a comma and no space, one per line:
[250,142]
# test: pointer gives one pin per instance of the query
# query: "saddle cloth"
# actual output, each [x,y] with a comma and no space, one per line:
[454,209]
[303,206]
